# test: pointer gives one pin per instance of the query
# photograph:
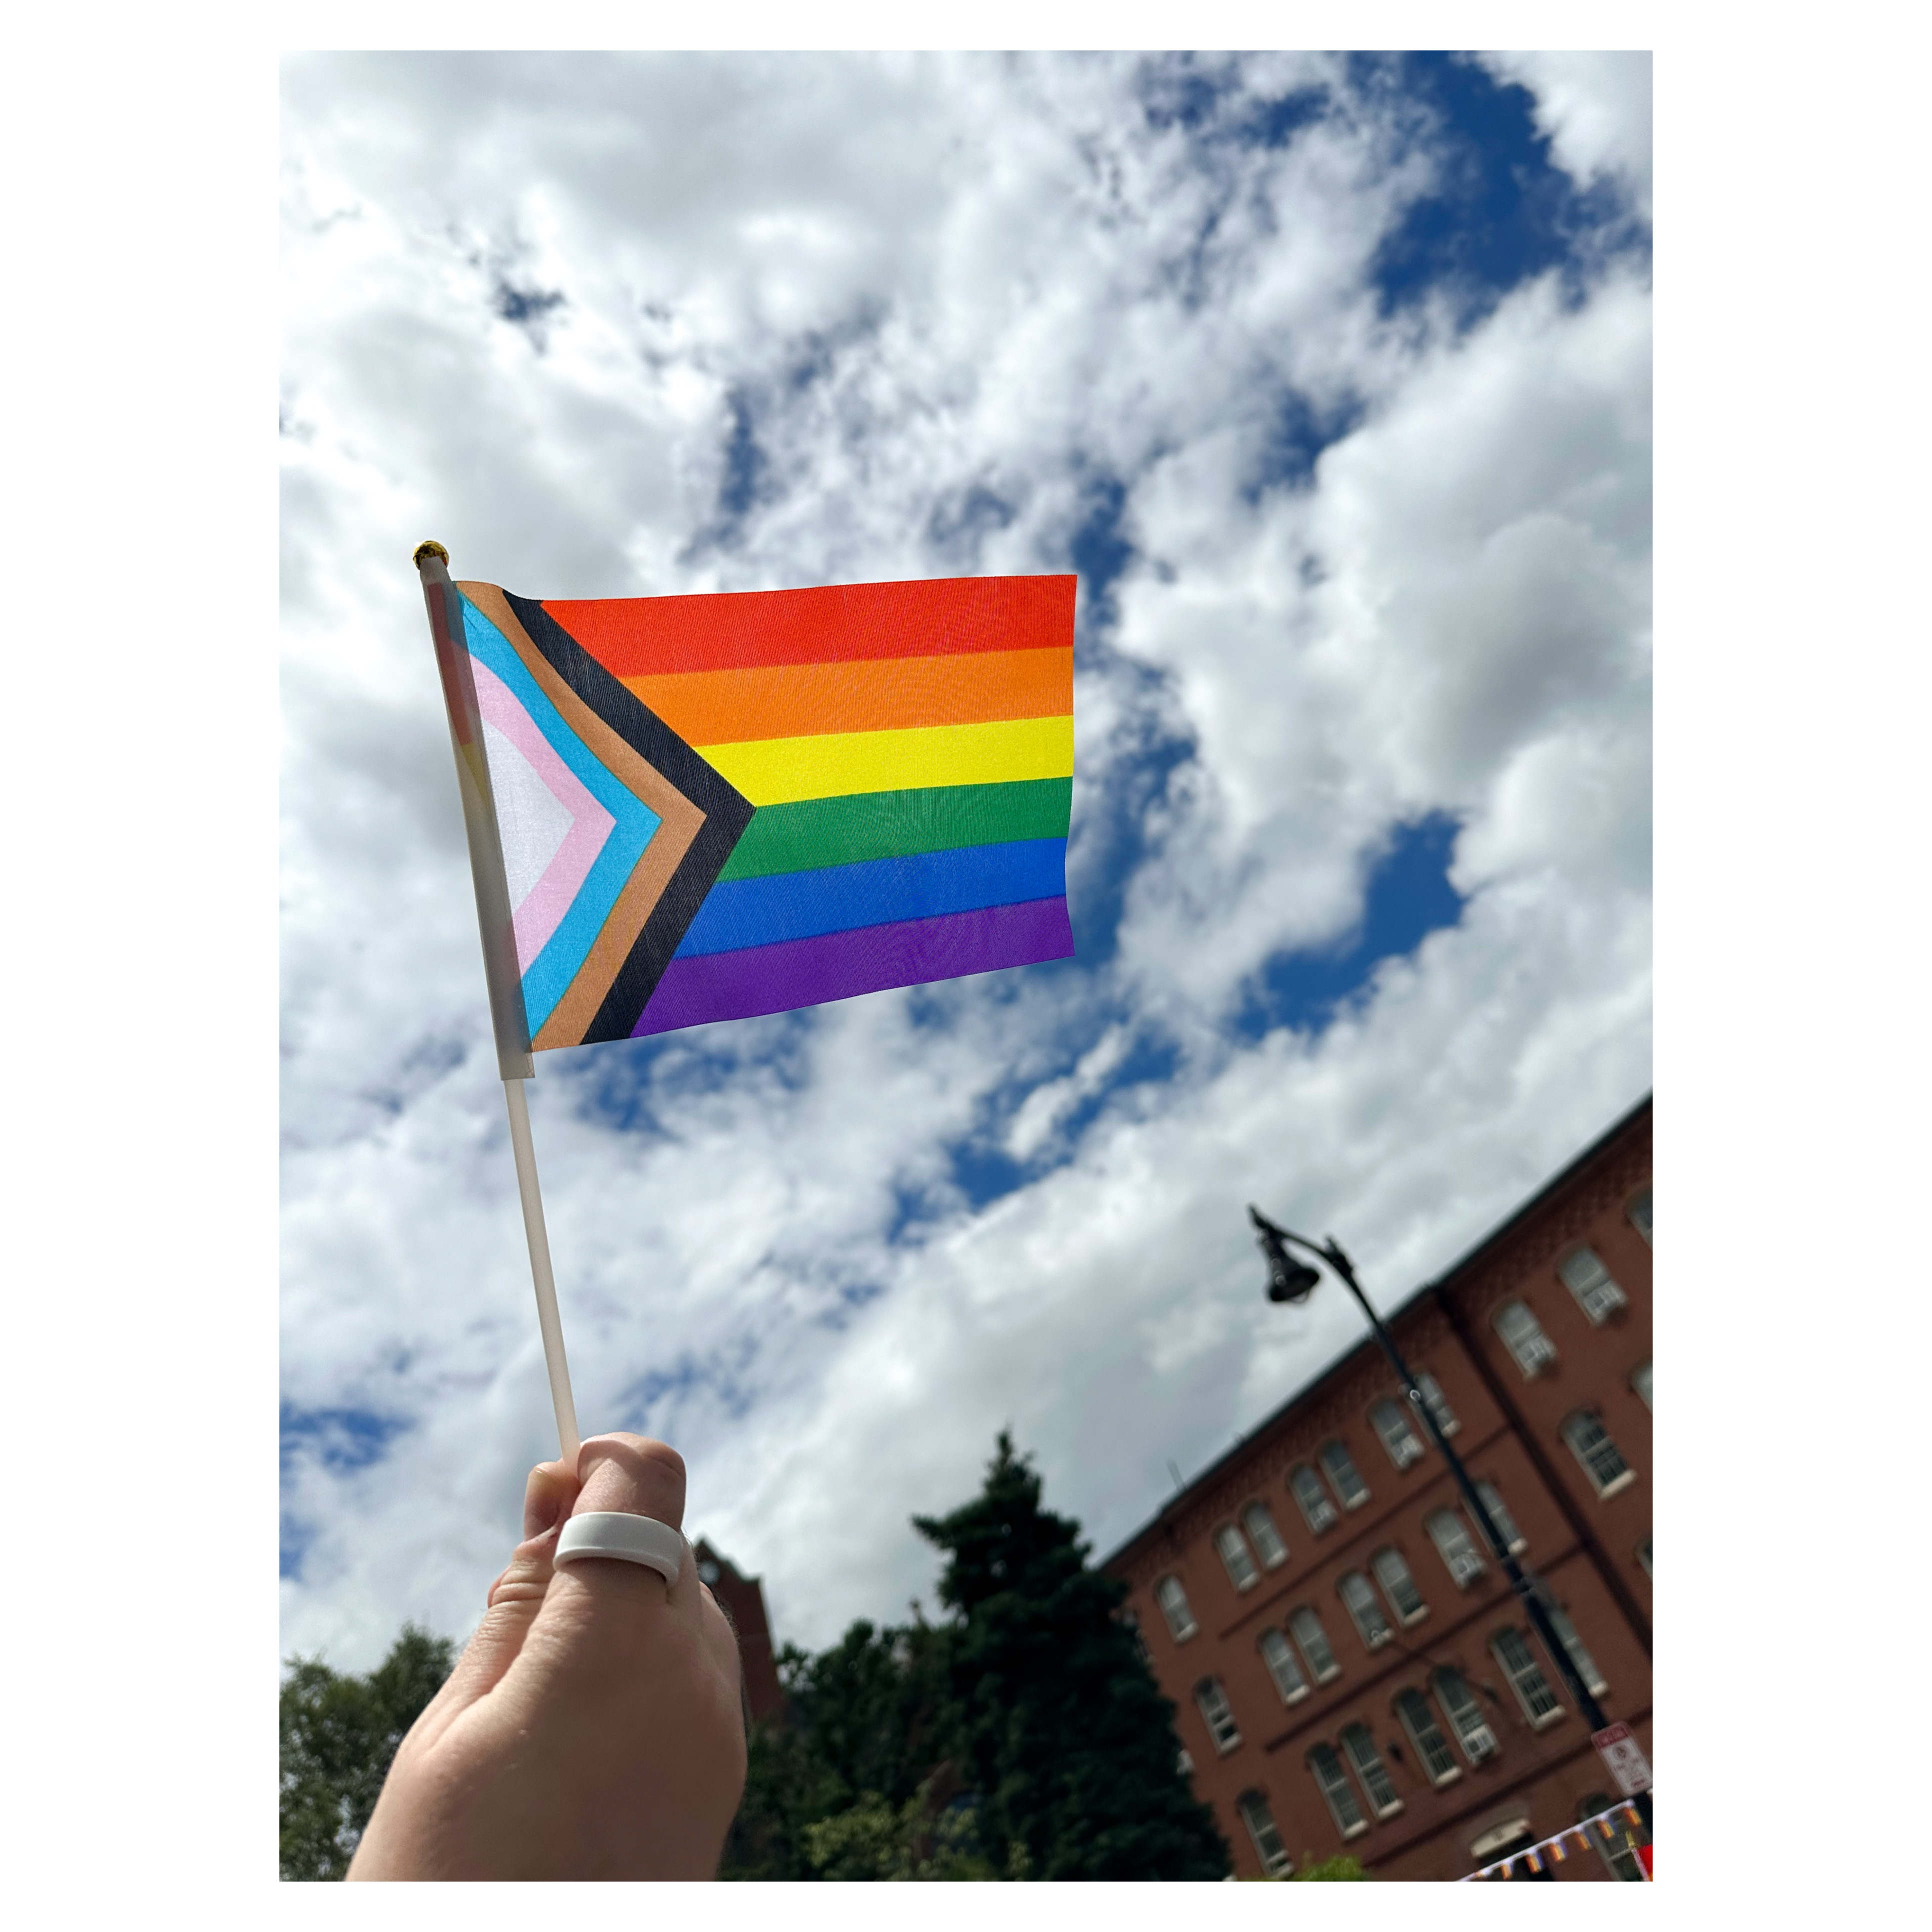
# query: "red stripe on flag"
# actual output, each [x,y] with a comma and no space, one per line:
[644,637]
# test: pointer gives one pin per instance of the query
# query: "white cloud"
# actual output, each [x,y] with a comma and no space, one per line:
[952,303]
[1595,108]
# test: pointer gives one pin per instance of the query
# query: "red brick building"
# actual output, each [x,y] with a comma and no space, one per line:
[1350,1667]
[743,1599]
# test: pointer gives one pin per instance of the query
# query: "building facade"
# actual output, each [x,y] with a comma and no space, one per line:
[742,1599]
[1351,1669]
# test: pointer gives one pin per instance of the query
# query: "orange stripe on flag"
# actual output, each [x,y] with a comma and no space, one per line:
[723,707]
[648,637]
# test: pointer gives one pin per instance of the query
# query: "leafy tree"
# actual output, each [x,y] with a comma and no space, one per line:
[339,1733]
[920,1841]
[1341,1865]
[1060,1728]
[864,1727]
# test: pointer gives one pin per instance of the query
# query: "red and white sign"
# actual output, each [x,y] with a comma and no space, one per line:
[1623,1758]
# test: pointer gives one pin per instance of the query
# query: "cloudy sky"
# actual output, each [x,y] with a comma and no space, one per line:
[1331,379]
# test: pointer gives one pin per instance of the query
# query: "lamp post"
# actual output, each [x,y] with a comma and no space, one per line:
[1290,1280]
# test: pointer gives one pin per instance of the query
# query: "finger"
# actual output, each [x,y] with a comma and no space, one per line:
[514,1601]
[631,1475]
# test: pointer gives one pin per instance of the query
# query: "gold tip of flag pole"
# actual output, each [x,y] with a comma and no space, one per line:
[429,546]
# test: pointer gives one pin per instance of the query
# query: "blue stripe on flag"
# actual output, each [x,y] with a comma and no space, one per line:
[874,892]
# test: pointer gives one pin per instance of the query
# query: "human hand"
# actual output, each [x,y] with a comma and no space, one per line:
[593,1728]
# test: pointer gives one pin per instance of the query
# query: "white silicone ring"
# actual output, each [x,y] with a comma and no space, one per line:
[633,1539]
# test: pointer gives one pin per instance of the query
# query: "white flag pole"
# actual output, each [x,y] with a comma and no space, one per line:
[547,1320]
[514,1060]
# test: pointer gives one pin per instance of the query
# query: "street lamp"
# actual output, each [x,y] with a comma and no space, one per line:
[1291,1280]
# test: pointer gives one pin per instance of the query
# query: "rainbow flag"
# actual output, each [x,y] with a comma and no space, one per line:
[705,808]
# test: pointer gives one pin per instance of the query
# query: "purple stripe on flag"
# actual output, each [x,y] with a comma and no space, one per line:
[838,965]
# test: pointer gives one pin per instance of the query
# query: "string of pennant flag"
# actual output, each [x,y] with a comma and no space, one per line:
[1605,1829]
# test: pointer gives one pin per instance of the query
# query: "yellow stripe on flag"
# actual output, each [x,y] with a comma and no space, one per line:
[781,771]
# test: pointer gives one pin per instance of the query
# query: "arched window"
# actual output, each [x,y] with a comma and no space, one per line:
[1523,1335]
[1432,1748]
[1173,1601]
[1343,1475]
[1233,1549]
[1264,1535]
[1392,1424]
[1513,1539]
[1268,1847]
[1581,1661]
[1354,1591]
[1640,1214]
[1590,1443]
[1438,1402]
[1315,1506]
[1314,1641]
[1458,1704]
[1585,1276]
[1281,1666]
[1453,1545]
[1398,1586]
[1339,1794]
[1511,1649]
[1377,1785]
[1217,1714]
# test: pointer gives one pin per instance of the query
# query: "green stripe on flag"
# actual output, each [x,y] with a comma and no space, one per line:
[818,832]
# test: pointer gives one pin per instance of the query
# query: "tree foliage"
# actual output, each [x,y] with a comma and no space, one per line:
[339,1733]
[1062,1729]
[1022,1738]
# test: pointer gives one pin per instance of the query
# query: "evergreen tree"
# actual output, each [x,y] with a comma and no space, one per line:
[1059,1727]
[339,1733]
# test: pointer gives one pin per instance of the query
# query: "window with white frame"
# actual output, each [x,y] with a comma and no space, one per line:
[1454,1544]
[1132,1623]
[1398,1435]
[1457,1703]
[1264,1535]
[1313,1641]
[1234,1548]
[1585,1664]
[1341,1472]
[1540,1703]
[1217,1714]
[1640,1380]
[1377,1785]
[1173,1601]
[1315,1506]
[1399,1586]
[1432,1748]
[1585,1276]
[1643,1555]
[1253,1807]
[1523,1335]
[1439,1403]
[1363,1606]
[1281,1666]
[1590,1443]
[1513,1539]
[1640,1214]
[1184,1763]
[1332,1782]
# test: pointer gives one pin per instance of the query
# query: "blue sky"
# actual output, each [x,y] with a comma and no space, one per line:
[1331,378]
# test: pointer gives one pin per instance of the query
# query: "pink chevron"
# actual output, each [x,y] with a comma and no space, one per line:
[550,898]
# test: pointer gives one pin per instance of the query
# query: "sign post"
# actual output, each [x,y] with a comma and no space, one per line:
[1623,1758]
